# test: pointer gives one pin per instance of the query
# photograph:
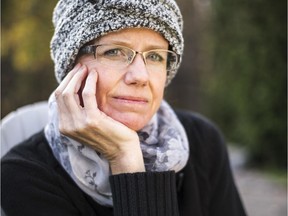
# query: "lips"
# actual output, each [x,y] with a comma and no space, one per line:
[131,99]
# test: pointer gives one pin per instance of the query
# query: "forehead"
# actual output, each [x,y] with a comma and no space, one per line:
[135,36]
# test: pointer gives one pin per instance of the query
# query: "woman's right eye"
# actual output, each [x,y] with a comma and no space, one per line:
[113,52]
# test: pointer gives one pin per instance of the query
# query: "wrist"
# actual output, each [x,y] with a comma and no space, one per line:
[128,162]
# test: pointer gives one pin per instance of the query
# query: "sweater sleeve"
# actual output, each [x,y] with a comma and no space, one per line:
[31,190]
[34,183]
[216,189]
[225,199]
[144,194]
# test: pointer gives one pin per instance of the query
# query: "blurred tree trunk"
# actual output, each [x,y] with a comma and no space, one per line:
[185,91]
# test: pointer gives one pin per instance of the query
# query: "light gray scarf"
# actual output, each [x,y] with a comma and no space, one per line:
[163,142]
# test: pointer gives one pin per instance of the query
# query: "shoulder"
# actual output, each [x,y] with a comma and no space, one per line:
[31,161]
[32,157]
[30,175]
[206,141]
[198,126]
[34,150]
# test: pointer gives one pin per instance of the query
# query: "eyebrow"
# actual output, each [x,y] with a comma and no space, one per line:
[127,44]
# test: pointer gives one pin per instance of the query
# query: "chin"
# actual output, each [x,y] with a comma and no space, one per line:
[135,127]
[134,121]
[134,124]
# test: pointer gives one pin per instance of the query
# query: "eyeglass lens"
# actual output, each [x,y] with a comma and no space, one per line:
[119,56]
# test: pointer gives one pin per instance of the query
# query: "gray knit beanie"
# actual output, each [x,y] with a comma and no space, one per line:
[77,22]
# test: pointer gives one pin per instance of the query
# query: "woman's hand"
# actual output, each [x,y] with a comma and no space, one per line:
[80,119]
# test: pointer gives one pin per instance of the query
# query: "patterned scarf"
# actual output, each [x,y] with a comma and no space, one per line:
[163,142]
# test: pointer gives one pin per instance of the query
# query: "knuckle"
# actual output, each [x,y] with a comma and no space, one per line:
[70,131]
[57,93]
[62,94]
[66,95]
[79,127]
[91,123]
[64,130]
[87,93]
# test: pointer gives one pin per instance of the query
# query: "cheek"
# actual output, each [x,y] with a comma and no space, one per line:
[158,97]
[101,92]
[158,85]
[104,81]
[105,85]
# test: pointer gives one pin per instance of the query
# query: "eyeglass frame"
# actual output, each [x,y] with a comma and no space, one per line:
[91,49]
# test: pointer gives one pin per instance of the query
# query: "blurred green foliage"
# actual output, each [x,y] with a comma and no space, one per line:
[233,70]
[26,33]
[26,67]
[246,87]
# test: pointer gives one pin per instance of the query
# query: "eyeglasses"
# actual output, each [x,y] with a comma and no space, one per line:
[120,57]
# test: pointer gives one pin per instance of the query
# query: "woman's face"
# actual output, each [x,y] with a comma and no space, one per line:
[131,95]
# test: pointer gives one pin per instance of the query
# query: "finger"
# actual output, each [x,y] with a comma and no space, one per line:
[70,113]
[89,92]
[62,109]
[62,92]
[66,80]
[70,93]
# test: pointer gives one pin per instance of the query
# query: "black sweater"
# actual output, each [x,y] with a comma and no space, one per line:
[34,183]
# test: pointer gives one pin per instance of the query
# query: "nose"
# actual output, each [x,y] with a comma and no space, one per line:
[137,73]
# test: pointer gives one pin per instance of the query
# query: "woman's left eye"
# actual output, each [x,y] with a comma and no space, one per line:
[156,57]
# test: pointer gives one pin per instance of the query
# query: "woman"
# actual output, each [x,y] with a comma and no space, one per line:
[113,146]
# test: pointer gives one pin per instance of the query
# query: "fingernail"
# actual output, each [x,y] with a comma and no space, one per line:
[77,66]
[82,68]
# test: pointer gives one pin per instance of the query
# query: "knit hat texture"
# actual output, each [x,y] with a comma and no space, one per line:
[77,22]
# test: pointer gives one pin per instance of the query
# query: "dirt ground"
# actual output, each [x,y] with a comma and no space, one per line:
[261,195]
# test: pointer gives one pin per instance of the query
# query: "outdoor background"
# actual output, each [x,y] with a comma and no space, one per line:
[234,69]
